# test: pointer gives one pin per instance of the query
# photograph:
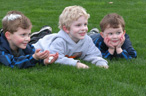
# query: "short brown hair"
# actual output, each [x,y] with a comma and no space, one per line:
[112,20]
[13,20]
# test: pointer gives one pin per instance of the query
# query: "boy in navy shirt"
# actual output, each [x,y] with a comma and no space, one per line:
[113,41]
[14,39]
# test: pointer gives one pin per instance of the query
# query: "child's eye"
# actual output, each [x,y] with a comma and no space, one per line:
[22,35]
[78,25]
[85,24]
[29,34]
[118,33]
[110,33]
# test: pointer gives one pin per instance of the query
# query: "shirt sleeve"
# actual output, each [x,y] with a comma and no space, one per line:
[128,50]
[93,55]
[23,61]
[102,47]
[106,54]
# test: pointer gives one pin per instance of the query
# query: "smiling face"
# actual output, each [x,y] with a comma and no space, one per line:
[78,29]
[114,35]
[18,39]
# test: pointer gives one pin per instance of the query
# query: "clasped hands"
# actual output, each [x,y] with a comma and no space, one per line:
[116,47]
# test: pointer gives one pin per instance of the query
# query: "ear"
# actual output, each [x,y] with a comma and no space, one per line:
[65,29]
[101,33]
[7,35]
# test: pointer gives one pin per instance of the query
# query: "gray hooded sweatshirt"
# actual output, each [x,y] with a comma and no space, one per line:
[68,50]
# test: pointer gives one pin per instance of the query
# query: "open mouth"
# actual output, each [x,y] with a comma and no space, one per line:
[25,44]
[82,34]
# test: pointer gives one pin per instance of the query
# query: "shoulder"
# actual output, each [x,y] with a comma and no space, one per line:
[59,41]
[29,47]
[88,37]
[98,39]
[127,38]
[126,35]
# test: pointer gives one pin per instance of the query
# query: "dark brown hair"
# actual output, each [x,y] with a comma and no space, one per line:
[112,20]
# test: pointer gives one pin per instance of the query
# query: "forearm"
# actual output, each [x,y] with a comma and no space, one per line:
[124,54]
[20,62]
[66,61]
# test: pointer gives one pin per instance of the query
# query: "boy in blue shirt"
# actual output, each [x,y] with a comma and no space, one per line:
[113,40]
[14,39]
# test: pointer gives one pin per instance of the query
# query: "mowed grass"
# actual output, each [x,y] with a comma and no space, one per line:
[123,78]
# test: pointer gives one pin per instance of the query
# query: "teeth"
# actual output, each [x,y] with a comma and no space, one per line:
[81,32]
[50,58]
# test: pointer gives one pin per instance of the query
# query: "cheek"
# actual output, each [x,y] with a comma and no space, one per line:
[87,29]
[19,40]
[109,37]
[120,36]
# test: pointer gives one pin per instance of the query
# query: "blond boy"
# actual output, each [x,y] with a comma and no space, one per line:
[72,42]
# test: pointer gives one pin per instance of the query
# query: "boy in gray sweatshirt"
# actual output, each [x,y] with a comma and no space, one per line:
[72,41]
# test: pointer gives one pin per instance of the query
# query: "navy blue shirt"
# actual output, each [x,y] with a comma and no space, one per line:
[128,50]
[22,59]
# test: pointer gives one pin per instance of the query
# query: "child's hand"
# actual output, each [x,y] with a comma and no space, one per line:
[51,59]
[81,65]
[107,42]
[110,46]
[40,55]
[104,66]
[122,39]
[118,47]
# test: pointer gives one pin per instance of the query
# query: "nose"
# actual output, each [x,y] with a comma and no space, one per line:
[27,38]
[84,27]
[114,36]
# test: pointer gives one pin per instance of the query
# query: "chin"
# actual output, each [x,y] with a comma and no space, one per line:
[23,47]
[82,37]
[115,44]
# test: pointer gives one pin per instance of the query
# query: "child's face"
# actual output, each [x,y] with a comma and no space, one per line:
[78,29]
[19,39]
[114,35]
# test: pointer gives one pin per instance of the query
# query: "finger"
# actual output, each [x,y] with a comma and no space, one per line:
[56,55]
[55,58]
[106,67]
[37,50]
[87,67]
[44,54]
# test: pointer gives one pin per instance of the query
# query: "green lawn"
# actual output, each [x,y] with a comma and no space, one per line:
[123,78]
